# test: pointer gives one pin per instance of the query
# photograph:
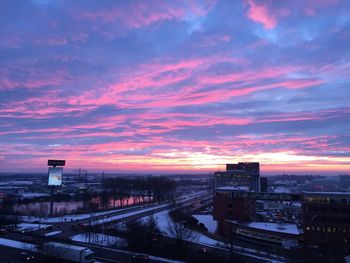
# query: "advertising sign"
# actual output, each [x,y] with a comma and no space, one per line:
[56,162]
[55,176]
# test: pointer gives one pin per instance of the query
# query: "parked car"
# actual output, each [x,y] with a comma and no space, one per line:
[140,258]
[3,231]
[27,257]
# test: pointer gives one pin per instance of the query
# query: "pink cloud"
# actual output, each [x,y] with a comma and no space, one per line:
[260,14]
[139,14]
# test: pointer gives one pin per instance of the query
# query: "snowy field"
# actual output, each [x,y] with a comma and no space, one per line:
[162,219]
[18,244]
[53,233]
[208,221]
[100,239]
[282,228]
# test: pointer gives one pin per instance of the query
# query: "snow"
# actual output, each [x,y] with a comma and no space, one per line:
[118,217]
[208,221]
[18,244]
[162,219]
[281,190]
[53,233]
[232,188]
[31,227]
[33,195]
[282,228]
[100,239]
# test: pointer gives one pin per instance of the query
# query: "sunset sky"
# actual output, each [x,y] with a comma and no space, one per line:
[175,86]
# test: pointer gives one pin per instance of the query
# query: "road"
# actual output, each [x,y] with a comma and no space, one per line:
[133,213]
[102,253]
[112,255]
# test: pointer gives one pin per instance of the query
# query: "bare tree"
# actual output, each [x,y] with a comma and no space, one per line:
[180,233]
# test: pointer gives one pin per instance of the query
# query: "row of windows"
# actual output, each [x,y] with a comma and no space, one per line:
[328,229]
[329,209]
[258,235]
[345,200]
[322,219]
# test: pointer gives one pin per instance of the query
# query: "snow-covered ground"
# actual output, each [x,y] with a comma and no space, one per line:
[31,227]
[53,233]
[72,217]
[100,239]
[208,221]
[17,244]
[163,220]
[30,195]
[282,228]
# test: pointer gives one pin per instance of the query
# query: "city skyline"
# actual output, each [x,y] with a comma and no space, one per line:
[175,86]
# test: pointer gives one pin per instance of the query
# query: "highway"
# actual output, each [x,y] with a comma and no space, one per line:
[103,254]
[123,215]
[106,254]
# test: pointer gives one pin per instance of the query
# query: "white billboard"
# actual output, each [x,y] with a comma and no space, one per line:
[55,175]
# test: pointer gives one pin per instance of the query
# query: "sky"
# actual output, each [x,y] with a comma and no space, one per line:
[175,86]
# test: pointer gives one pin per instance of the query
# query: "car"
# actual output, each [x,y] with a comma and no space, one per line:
[203,250]
[140,258]
[3,231]
[27,257]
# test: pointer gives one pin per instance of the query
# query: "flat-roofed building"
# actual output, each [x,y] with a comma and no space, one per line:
[225,206]
[240,174]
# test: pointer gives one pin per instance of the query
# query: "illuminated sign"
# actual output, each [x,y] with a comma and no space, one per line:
[55,176]
[56,162]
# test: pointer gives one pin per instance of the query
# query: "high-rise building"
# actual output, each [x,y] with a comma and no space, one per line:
[245,174]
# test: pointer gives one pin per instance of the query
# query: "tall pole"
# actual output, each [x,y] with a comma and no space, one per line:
[52,196]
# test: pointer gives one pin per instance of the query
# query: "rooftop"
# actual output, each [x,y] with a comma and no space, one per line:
[233,188]
[273,227]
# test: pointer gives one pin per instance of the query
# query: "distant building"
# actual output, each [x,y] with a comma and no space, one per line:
[263,184]
[240,174]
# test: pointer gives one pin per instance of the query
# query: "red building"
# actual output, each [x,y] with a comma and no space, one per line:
[225,207]
[326,218]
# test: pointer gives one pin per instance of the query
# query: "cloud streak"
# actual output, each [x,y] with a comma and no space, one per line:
[181,86]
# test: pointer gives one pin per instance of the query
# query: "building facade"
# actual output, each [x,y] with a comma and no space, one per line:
[326,219]
[226,207]
[241,174]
